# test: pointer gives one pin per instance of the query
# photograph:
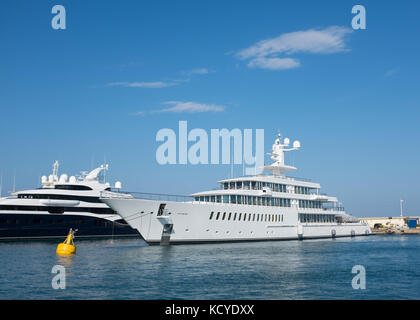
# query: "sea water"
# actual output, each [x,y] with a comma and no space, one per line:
[130,269]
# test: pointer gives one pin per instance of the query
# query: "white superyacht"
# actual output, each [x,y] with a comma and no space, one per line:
[259,207]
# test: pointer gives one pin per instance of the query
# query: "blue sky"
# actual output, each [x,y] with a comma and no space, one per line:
[92,91]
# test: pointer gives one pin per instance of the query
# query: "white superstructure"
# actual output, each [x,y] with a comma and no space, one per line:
[260,207]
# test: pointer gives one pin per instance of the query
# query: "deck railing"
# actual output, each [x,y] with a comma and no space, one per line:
[147,196]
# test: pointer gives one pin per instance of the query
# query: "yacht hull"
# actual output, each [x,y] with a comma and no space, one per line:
[16,226]
[190,222]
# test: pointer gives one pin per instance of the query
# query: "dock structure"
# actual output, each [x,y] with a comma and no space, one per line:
[408,225]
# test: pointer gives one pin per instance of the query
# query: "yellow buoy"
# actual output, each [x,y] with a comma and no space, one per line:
[67,247]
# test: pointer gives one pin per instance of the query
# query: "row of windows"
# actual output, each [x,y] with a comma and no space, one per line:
[319,218]
[249,200]
[56,209]
[310,204]
[303,190]
[58,197]
[246,217]
[253,185]
[71,187]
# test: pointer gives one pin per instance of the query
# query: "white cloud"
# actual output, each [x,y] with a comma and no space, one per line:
[273,63]
[266,54]
[153,85]
[191,107]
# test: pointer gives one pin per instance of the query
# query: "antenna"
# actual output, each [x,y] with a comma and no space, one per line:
[105,166]
[401,203]
[55,170]
[231,164]
[243,166]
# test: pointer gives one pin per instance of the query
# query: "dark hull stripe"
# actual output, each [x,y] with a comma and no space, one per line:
[51,226]
[55,209]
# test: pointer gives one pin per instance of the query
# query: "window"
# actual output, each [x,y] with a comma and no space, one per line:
[71,187]
[217,216]
[230,215]
[59,197]
[244,216]
[224,215]
[239,219]
[211,215]
[234,217]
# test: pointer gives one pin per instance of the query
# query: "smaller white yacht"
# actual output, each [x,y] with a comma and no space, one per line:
[60,204]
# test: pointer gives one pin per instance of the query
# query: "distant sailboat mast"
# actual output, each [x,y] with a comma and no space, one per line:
[14,181]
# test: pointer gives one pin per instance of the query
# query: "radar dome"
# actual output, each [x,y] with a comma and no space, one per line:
[286,141]
[296,144]
[44,179]
[63,178]
[118,185]
[72,179]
